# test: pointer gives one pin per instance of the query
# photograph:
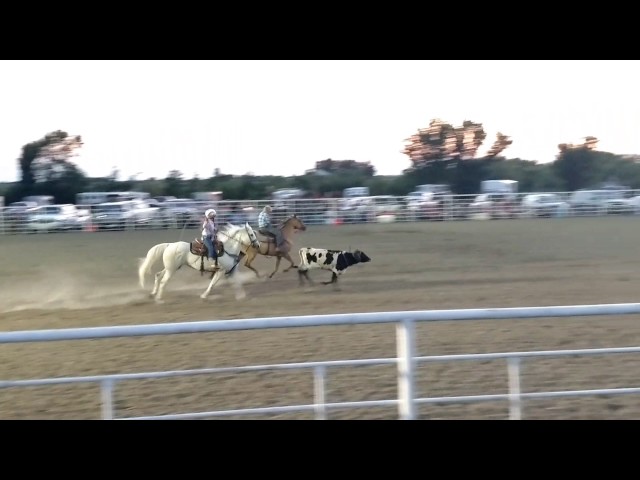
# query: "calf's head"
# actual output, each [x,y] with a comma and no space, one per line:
[361,257]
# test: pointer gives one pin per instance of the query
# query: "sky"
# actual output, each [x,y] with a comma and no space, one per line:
[279,117]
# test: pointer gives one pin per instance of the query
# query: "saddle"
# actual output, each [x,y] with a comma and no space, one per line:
[197,247]
[267,237]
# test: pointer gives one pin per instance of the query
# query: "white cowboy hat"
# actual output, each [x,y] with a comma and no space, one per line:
[209,212]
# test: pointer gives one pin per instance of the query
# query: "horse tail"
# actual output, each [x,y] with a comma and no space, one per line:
[146,263]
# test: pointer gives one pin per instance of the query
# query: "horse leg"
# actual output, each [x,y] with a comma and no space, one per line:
[247,264]
[278,258]
[237,283]
[165,278]
[292,265]
[156,284]
[215,279]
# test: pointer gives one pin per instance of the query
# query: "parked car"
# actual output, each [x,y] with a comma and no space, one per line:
[124,214]
[183,212]
[635,204]
[433,188]
[599,202]
[386,207]
[16,215]
[493,205]
[356,192]
[356,210]
[543,205]
[429,205]
[51,218]
[617,202]
[178,213]
[23,204]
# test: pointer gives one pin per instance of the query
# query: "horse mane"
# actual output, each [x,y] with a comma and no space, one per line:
[286,220]
[229,229]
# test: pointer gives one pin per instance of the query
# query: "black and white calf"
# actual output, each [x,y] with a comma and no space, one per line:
[335,260]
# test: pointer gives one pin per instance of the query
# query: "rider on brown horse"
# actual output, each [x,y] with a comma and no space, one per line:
[265,227]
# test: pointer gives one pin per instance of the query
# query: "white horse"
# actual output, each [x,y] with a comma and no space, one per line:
[177,254]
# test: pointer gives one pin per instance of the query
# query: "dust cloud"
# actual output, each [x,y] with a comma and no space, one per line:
[49,290]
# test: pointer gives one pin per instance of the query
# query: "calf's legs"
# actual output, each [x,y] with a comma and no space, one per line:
[305,274]
[334,279]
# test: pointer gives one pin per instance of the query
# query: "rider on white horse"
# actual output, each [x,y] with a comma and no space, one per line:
[209,233]
[265,227]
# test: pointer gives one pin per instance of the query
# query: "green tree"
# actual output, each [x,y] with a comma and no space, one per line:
[442,142]
[575,166]
[499,145]
[65,186]
[174,185]
[346,166]
[46,168]
[48,159]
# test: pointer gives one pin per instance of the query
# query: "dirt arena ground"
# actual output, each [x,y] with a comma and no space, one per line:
[89,279]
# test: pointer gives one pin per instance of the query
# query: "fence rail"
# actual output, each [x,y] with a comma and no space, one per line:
[405,361]
[314,211]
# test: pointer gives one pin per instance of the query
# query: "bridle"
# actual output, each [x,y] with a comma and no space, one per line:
[255,243]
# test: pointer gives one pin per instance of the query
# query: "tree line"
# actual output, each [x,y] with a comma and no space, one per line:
[439,153]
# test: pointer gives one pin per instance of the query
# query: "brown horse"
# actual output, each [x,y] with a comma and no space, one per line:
[289,227]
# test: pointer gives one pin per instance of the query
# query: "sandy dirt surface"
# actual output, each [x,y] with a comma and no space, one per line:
[90,279]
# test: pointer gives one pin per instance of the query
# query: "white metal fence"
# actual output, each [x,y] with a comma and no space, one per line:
[381,208]
[405,361]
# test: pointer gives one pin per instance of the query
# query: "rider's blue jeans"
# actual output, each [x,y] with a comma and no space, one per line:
[208,241]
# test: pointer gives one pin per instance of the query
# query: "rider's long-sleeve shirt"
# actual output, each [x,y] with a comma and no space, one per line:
[209,228]
[264,221]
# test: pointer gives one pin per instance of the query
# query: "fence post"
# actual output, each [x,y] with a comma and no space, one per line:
[319,391]
[515,401]
[406,367]
[106,390]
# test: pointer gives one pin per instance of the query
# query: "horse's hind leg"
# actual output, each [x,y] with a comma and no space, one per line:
[278,258]
[156,284]
[165,278]
[288,257]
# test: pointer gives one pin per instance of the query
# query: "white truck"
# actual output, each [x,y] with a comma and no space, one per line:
[499,186]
